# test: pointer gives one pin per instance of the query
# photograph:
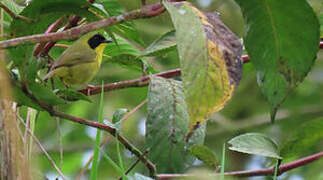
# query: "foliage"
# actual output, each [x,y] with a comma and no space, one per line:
[284,63]
[181,126]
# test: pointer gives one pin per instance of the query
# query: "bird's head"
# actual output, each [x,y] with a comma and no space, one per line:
[96,40]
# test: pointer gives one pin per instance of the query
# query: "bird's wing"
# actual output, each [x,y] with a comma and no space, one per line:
[75,54]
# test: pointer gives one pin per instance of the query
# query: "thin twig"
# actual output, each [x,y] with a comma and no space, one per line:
[144,81]
[42,149]
[139,82]
[72,23]
[108,129]
[52,28]
[134,164]
[60,141]
[261,172]
[133,110]
[104,127]
[76,32]
[105,140]
[13,15]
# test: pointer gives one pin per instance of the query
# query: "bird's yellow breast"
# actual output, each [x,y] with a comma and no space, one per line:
[99,52]
[84,72]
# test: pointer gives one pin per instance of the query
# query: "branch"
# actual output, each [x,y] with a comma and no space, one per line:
[13,15]
[76,32]
[139,82]
[111,130]
[104,127]
[261,172]
[72,23]
[144,81]
[52,28]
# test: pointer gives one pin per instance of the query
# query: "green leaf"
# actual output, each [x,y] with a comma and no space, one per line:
[28,68]
[303,139]
[204,154]
[321,24]
[125,55]
[44,94]
[20,55]
[282,42]
[162,45]
[14,7]
[126,29]
[117,117]
[127,61]
[112,163]
[210,61]
[95,163]
[118,114]
[255,143]
[72,95]
[223,162]
[43,13]
[167,124]
[22,99]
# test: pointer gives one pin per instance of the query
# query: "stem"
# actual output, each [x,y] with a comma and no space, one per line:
[139,82]
[104,127]
[108,129]
[13,15]
[52,28]
[261,172]
[144,81]
[76,32]
[72,23]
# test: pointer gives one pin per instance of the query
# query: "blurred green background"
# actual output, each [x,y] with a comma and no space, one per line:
[247,111]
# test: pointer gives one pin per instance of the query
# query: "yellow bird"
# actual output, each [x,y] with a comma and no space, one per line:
[80,62]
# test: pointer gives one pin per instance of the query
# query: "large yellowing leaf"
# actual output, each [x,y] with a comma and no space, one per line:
[209,57]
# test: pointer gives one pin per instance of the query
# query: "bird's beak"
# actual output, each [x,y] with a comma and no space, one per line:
[107,41]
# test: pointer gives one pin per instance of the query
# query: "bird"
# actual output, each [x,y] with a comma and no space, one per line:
[80,62]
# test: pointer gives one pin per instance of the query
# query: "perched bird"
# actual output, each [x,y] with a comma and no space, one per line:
[80,62]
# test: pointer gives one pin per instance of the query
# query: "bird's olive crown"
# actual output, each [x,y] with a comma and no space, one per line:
[96,40]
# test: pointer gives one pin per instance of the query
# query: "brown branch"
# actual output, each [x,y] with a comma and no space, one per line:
[72,23]
[52,28]
[144,81]
[14,15]
[261,172]
[111,130]
[139,82]
[104,127]
[76,32]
